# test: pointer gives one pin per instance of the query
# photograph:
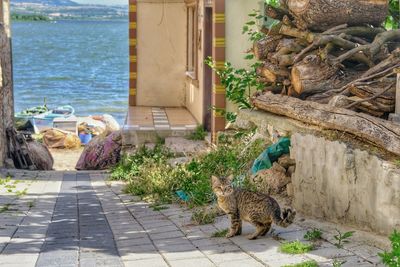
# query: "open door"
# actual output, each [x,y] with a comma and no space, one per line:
[208,39]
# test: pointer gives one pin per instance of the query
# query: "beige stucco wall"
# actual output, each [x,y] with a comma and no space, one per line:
[237,44]
[161,51]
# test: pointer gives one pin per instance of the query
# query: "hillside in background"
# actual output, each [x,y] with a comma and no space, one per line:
[66,9]
[46,2]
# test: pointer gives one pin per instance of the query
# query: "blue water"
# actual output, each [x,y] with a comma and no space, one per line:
[80,63]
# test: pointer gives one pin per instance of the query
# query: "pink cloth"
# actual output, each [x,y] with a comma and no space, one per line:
[101,153]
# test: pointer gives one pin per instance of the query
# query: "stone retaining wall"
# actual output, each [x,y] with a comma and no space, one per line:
[334,179]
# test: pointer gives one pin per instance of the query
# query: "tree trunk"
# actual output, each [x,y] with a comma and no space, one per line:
[6,79]
[321,15]
[380,132]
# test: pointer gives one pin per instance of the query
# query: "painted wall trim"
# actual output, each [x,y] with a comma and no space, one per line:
[218,94]
[133,68]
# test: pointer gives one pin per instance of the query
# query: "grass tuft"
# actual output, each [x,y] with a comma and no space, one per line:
[313,235]
[303,264]
[199,134]
[204,215]
[295,247]
[221,233]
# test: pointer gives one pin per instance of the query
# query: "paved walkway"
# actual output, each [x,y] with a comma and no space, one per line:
[76,219]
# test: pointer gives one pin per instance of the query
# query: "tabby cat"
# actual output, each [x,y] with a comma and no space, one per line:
[256,208]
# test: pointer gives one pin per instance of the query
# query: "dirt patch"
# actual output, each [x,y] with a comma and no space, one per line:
[65,159]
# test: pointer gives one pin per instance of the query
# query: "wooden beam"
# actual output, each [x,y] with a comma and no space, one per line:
[379,132]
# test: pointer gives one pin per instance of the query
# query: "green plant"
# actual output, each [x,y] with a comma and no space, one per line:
[251,28]
[392,258]
[149,175]
[342,238]
[295,247]
[313,234]
[5,208]
[220,233]
[21,193]
[204,215]
[397,163]
[393,19]
[31,204]
[303,264]
[337,263]
[158,207]
[198,134]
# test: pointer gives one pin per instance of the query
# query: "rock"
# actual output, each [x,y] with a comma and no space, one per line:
[271,181]
[9,163]
[290,171]
[285,161]
[179,145]
[103,152]
[40,156]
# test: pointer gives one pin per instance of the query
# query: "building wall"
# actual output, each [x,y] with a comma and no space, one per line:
[161,49]
[236,45]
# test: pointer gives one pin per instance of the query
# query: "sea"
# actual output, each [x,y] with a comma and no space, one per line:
[84,64]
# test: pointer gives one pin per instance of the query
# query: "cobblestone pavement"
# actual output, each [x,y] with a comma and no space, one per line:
[76,219]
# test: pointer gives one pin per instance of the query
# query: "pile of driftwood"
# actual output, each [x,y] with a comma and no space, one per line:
[331,51]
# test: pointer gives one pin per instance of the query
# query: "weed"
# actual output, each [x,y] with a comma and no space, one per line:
[149,175]
[337,263]
[203,216]
[198,134]
[221,233]
[21,193]
[31,204]
[5,208]
[158,207]
[303,264]
[392,258]
[313,235]
[295,247]
[342,238]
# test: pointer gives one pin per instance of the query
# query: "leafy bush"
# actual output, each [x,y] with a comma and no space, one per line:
[198,134]
[295,247]
[393,19]
[392,258]
[313,234]
[149,175]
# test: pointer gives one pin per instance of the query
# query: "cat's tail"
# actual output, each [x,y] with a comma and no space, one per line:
[286,219]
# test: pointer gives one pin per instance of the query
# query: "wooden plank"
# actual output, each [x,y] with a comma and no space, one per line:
[398,92]
[379,132]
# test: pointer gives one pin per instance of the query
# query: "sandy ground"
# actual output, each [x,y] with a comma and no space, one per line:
[65,159]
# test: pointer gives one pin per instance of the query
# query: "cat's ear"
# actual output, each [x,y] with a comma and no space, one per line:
[230,178]
[215,181]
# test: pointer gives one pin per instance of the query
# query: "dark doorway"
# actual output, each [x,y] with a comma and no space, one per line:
[208,40]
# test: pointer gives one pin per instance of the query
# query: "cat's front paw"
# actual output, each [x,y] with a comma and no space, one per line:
[230,234]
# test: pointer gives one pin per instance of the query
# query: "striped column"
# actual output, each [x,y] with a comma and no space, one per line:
[218,96]
[132,52]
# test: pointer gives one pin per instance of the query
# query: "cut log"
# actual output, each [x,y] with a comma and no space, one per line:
[273,73]
[320,15]
[312,75]
[265,46]
[379,132]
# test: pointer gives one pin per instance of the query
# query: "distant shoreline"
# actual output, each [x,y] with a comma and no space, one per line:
[37,18]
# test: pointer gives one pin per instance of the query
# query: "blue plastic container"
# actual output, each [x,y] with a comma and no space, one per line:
[85,138]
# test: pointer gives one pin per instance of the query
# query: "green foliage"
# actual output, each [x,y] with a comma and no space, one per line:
[29,17]
[240,84]
[251,28]
[342,238]
[295,247]
[392,258]
[198,134]
[303,264]
[397,163]
[204,215]
[31,204]
[21,193]
[5,208]
[158,207]
[221,233]
[338,263]
[313,235]
[274,3]
[393,19]
[149,175]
